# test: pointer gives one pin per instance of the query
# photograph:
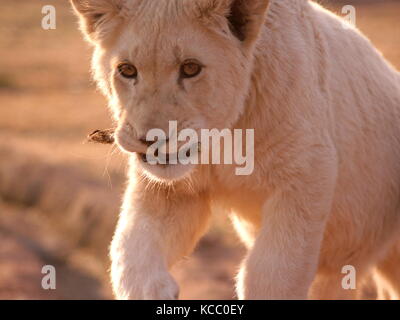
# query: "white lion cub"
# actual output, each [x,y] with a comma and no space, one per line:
[325,109]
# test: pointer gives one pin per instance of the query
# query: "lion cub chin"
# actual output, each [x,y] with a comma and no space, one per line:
[322,194]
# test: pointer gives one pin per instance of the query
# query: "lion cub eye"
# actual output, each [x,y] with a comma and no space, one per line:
[127,70]
[190,69]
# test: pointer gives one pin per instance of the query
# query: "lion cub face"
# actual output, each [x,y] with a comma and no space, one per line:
[161,61]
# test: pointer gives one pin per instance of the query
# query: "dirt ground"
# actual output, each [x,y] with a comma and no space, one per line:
[59,197]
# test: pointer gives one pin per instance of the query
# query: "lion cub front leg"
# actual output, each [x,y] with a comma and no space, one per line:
[154,231]
[283,260]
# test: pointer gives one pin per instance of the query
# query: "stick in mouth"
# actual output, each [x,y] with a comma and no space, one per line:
[107,137]
[102,136]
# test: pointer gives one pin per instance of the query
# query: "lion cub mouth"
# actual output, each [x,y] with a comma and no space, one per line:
[168,159]
[160,160]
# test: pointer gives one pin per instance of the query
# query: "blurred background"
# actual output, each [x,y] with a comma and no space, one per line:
[59,196]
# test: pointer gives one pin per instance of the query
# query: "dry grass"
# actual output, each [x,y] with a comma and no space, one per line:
[48,105]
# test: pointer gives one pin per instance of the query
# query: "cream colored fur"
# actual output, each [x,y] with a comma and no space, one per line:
[325,107]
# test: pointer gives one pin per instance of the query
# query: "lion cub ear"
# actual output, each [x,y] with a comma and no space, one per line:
[98,18]
[245,17]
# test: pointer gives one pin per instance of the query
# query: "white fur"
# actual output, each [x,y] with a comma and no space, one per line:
[325,107]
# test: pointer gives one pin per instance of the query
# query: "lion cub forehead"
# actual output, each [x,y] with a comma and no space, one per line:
[172,44]
[147,48]
[165,35]
[158,13]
